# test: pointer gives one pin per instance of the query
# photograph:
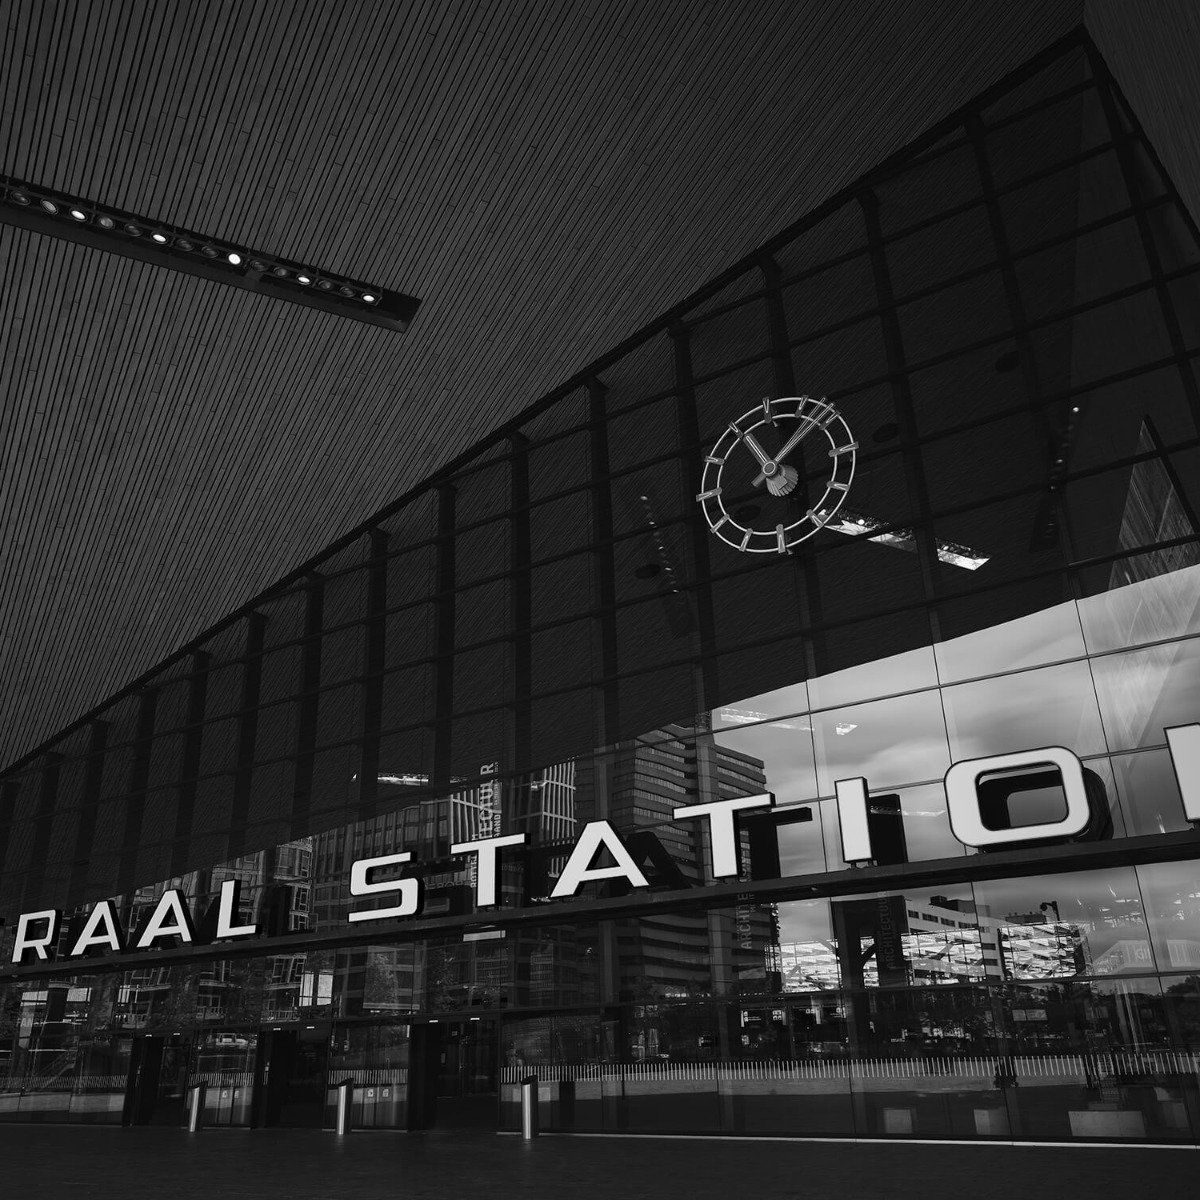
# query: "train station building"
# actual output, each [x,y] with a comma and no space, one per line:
[788,723]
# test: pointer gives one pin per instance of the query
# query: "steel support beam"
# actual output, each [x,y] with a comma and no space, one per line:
[374,662]
[247,730]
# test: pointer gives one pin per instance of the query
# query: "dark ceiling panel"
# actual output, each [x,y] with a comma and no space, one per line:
[546,178]
[1152,50]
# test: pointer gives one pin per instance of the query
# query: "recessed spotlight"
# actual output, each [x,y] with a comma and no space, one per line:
[50,206]
[160,238]
[132,228]
[281,272]
[345,291]
[1075,409]
[304,278]
[184,244]
[368,298]
[20,198]
[257,264]
[210,252]
[79,214]
[105,222]
[325,285]
[234,258]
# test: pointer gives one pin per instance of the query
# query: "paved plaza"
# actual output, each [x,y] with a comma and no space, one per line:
[45,1162]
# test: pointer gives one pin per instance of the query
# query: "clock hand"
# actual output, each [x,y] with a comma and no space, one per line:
[788,447]
[764,459]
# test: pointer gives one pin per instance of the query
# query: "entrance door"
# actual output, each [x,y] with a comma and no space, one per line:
[170,1101]
[141,1087]
[454,1075]
[290,1087]
[225,1061]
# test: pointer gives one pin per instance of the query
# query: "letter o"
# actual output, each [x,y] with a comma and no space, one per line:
[962,798]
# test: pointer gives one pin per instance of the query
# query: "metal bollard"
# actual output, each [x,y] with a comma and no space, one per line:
[345,1100]
[195,1106]
[529,1107]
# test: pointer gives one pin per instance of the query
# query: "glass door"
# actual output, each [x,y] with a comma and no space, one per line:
[225,1061]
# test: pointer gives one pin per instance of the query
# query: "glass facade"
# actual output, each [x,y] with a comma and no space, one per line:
[1006,318]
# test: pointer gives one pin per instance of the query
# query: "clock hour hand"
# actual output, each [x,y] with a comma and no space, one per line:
[780,480]
[764,459]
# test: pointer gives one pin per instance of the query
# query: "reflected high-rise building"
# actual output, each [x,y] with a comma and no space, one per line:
[637,785]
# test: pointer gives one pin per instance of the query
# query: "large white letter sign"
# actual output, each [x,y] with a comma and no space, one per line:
[579,869]
[39,945]
[852,819]
[169,919]
[362,885]
[1183,741]
[227,912]
[962,797]
[485,871]
[100,929]
[723,828]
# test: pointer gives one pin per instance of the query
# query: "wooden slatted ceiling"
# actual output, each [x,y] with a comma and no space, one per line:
[1154,51]
[545,176]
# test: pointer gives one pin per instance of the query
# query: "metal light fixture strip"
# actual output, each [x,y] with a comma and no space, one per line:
[116,231]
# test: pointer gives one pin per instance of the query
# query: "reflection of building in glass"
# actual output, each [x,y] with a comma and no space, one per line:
[637,785]
[1129,954]
[1154,512]
[940,941]
[276,893]
[809,966]
[1044,950]
[401,978]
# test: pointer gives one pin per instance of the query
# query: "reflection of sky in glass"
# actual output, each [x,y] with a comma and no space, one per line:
[1054,635]
[780,703]
[1052,706]
[891,722]
[896,741]
[926,827]
[1042,637]
[885,677]
[1148,792]
[1164,606]
[1144,691]
[786,751]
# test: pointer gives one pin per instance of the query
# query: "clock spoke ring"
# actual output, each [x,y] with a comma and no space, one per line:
[772,535]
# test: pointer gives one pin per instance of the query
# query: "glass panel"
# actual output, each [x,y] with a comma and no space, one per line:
[225,1060]
[376,1058]
[1143,691]
[1047,636]
[1146,609]
[886,677]
[1172,896]
[1093,1061]
[1057,926]
[781,702]
[891,742]
[1053,706]
[1149,792]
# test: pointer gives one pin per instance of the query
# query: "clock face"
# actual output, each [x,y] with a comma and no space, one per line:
[751,456]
